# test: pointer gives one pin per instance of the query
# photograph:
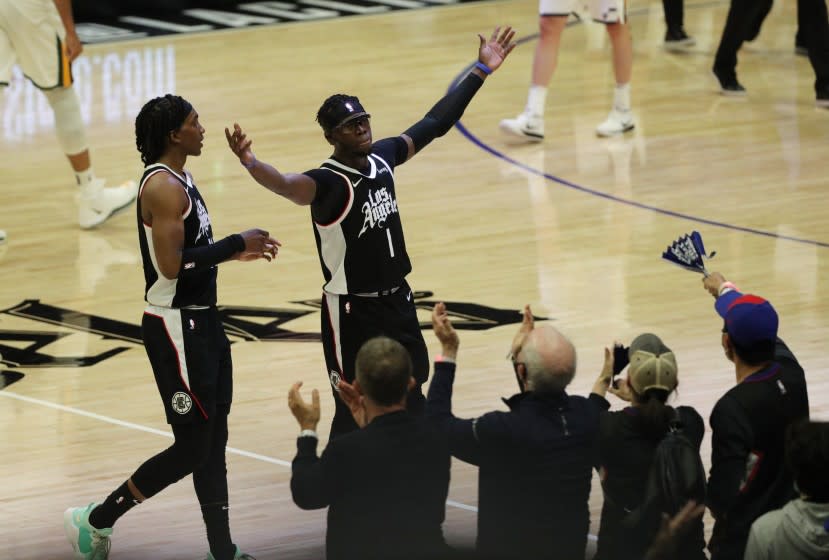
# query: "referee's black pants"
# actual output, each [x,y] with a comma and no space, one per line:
[739,26]
[815,30]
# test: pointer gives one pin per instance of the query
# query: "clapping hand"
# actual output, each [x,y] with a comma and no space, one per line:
[527,325]
[308,415]
[444,331]
[354,400]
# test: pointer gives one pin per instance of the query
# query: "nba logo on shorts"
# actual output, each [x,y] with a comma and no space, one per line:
[182,403]
[335,379]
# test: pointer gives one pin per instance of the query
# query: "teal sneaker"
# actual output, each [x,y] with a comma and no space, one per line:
[238,555]
[88,542]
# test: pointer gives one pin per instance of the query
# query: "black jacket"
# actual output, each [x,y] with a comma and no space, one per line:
[385,485]
[748,474]
[625,457]
[535,469]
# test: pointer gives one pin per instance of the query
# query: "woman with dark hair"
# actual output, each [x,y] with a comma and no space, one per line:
[627,442]
[182,332]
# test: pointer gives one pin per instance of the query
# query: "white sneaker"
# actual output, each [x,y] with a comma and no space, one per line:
[2,236]
[96,203]
[529,127]
[617,122]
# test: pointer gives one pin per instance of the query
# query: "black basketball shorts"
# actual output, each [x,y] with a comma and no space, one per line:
[190,356]
[348,321]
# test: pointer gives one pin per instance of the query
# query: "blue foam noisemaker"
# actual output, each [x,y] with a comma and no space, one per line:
[688,252]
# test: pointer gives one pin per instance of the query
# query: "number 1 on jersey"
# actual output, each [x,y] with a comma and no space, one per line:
[391,246]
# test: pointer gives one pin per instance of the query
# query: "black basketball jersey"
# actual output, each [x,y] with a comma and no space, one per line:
[362,250]
[191,288]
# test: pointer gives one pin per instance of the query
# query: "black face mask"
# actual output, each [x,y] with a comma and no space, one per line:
[515,364]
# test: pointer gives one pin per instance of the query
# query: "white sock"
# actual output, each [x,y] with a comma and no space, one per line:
[84,177]
[621,97]
[536,99]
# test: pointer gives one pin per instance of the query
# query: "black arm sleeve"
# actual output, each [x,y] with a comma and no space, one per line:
[199,258]
[446,112]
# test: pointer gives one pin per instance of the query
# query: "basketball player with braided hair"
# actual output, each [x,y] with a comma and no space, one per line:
[182,331]
[357,225]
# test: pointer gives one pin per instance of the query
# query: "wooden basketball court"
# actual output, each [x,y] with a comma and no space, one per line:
[574,226]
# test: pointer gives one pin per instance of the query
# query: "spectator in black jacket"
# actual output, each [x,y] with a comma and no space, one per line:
[749,475]
[627,444]
[385,484]
[535,460]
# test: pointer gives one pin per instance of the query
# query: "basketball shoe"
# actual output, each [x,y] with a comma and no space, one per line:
[617,122]
[2,236]
[88,542]
[525,125]
[678,40]
[238,555]
[96,203]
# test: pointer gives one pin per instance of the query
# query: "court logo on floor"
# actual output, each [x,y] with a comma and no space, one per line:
[29,347]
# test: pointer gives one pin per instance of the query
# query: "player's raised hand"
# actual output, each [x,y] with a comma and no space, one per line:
[240,145]
[500,44]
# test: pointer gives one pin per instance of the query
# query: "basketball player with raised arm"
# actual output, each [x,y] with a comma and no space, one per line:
[357,223]
[182,331]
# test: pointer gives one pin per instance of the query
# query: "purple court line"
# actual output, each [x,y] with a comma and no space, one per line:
[564,182]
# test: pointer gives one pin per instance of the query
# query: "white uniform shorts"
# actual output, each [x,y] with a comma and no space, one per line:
[31,35]
[603,11]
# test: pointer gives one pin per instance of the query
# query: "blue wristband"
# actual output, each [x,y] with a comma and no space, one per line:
[483,68]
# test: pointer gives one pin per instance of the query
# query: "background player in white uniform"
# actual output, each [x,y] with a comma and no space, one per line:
[552,19]
[40,36]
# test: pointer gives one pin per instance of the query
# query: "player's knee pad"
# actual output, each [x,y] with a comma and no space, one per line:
[70,129]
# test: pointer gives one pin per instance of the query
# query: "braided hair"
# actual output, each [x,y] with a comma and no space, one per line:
[156,120]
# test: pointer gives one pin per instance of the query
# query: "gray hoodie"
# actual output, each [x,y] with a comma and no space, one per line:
[799,531]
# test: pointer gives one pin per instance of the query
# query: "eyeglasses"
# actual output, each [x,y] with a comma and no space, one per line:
[351,126]
[513,358]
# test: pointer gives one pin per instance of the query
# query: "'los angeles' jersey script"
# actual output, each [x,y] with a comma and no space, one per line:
[362,249]
[192,287]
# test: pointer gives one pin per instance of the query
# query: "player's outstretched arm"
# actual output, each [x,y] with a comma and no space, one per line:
[296,187]
[446,112]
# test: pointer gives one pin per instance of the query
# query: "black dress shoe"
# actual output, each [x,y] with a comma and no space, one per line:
[822,99]
[729,85]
